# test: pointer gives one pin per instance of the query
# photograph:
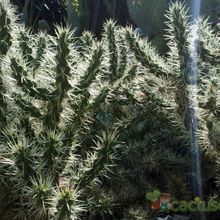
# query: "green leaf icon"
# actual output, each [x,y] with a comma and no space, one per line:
[156,194]
[150,196]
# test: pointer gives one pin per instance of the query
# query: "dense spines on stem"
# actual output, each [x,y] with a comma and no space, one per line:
[68,204]
[92,70]
[177,34]
[86,41]
[79,105]
[146,54]
[105,151]
[110,32]
[62,84]
[122,57]
[5,40]
[209,42]
[28,86]
[6,20]
[25,46]
[42,192]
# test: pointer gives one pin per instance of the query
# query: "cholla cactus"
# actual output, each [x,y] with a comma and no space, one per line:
[90,126]
[7,23]
[52,94]
[158,131]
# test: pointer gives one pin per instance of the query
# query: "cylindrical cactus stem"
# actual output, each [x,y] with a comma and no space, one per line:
[5,44]
[62,84]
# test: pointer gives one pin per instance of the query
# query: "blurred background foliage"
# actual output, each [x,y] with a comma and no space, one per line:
[146,16]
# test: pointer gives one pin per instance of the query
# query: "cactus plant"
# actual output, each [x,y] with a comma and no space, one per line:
[50,119]
[90,126]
